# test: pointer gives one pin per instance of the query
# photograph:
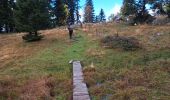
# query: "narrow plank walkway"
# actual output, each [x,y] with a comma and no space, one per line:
[80,91]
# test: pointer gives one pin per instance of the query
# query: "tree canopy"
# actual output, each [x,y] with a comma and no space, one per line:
[31,15]
[34,15]
[129,7]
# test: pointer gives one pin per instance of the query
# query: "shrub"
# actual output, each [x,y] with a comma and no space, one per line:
[130,20]
[143,18]
[161,20]
[32,37]
[126,43]
[139,19]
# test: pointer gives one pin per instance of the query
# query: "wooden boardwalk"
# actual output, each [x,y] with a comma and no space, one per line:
[80,91]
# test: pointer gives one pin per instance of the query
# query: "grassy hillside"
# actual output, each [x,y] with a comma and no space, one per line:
[41,70]
[144,74]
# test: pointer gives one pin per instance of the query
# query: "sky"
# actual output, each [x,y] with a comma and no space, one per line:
[109,6]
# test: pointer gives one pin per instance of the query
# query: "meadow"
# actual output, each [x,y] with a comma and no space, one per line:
[41,70]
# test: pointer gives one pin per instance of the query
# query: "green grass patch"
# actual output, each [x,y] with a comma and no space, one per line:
[52,61]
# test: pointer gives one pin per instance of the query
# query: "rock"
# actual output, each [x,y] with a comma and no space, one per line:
[71,61]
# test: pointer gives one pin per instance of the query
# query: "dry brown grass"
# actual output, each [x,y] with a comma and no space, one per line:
[115,84]
[37,89]
[112,78]
[32,89]
[147,34]
[122,29]
[13,48]
[130,84]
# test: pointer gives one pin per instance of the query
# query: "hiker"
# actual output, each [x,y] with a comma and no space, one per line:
[70,29]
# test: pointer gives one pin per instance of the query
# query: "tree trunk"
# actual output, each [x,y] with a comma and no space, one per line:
[0,29]
[144,7]
[11,28]
[6,28]
[30,33]
[36,33]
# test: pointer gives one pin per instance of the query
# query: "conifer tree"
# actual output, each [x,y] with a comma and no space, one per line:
[89,12]
[141,6]
[142,15]
[128,8]
[111,17]
[167,8]
[97,19]
[61,12]
[77,10]
[71,8]
[158,4]
[31,15]
[6,15]
[102,16]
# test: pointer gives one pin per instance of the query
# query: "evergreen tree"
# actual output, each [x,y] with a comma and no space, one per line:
[61,12]
[51,10]
[141,6]
[97,19]
[167,8]
[31,15]
[128,8]
[77,11]
[142,14]
[71,7]
[158,4]
[6,15]
[111,17]
[89,12]
[102,16]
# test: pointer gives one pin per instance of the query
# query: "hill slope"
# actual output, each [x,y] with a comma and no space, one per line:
[40,70]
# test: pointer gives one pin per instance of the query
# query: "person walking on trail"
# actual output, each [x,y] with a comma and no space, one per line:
[70,29]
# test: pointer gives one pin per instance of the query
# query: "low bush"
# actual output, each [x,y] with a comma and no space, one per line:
[161,20]
[140,19]
[32,37]
[126,43]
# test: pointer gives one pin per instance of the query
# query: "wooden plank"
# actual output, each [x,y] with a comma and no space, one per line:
[80,91]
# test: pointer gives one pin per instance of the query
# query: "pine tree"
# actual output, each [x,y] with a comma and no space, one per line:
[51,10]
[71,7]
[161,5]
[77,11]
[142,14]
[31,15]
[111,17]
[141,6]
[102,16]
[157,4]
[128,8]
[6,15]
[167,8]
[61,12]
[89,12]
[97,19]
